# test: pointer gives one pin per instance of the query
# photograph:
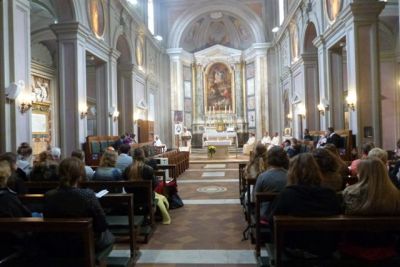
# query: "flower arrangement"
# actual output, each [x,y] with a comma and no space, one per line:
[211,150]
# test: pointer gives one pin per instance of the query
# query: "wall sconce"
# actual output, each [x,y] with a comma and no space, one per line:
[302,111]
[321,109]
[289,116]
[25,102]
[83,111]
[114,114]
[351,100]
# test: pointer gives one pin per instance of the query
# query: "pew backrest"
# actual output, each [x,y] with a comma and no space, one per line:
[81,226]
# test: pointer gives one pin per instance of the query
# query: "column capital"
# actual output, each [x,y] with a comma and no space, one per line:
[70,30]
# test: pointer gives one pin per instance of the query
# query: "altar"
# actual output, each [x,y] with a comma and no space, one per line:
[213,135]
[221,148]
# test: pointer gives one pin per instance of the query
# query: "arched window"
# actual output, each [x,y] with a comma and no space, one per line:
[150,15]
[281,11]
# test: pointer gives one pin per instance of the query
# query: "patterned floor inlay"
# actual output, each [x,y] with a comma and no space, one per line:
[210,201]
[211,189]
[188,181]
[213,174]
[215,166]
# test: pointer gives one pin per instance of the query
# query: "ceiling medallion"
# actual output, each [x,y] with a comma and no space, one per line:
[97,17]
[216,15]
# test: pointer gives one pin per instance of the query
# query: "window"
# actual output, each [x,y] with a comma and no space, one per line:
[150,15]
[281,11]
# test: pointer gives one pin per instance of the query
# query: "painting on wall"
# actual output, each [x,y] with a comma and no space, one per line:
[139,49]
[188,89]
[294,41]
[41,89]
[251,118]
[218,88]
[96,15]
[250,86]
[332,8]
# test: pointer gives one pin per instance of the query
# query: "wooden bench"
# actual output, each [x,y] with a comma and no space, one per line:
[178,159]
[144,196]
[95,146]
[346,141]
[107,201]
[81,226]
[339,223]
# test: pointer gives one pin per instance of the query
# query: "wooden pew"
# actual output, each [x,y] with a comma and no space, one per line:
[339,223]
[81,226]
[242,182]
[145,196]
[107,201]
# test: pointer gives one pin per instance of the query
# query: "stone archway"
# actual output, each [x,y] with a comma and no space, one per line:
[311,80]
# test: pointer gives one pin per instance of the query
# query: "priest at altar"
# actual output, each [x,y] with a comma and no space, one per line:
[186,138]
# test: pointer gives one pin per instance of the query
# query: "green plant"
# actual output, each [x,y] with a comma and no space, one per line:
[211,150]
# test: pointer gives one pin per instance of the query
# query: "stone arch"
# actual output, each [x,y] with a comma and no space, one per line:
[243,12]
[123,46]
[309,35]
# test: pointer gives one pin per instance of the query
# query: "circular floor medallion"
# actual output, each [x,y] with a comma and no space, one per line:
[211,189]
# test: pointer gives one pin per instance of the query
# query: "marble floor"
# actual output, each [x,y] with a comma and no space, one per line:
[207,230]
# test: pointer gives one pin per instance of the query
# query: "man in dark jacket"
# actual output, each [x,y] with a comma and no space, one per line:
[332,137]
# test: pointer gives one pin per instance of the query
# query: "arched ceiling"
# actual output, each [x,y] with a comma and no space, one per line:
[218,27]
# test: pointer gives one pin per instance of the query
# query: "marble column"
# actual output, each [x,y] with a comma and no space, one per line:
[71,39]
[238,73]
[113,85]
[177,95]
[15,66]
[362,29]
[323,81]
[310,72]
[198,96]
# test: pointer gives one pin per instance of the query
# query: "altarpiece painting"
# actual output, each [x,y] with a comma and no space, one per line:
[218,88]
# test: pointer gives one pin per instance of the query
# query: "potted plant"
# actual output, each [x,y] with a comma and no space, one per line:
[211,150]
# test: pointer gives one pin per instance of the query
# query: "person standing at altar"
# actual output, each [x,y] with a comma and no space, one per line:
[186,137]
[266,140]
[248,147]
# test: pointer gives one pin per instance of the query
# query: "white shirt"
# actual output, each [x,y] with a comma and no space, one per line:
[158,143]
[266,140]
[275,141]
[251,140]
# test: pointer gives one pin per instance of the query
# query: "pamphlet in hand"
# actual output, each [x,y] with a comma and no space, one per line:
[102,193]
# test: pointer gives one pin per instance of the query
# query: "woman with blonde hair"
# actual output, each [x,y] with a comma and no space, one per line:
[258,162]
[106,170]
[373,195]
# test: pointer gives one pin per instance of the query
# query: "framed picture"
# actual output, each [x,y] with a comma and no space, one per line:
[251,117]
[188,89]
[250,86]
[40,123]
[178,116]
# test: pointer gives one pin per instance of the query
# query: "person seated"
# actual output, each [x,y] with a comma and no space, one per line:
[307,136]
[397,150]
[69,201]
[10,207]
[123,160]
[321,141]
[274,179]
[343,167]
[55,153]
[24,161]
[79,154]
[249,146]
[139,170]
[292,147]
[332,137]
[17,179]
[106,170]
[304,196]
[373,195]
[119,142]
[44,168]
[266,140]
[276,140]
[330,169]
[365,149]
[158,144]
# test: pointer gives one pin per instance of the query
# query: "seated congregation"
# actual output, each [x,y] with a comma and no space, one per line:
[311,208]
[50,188]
